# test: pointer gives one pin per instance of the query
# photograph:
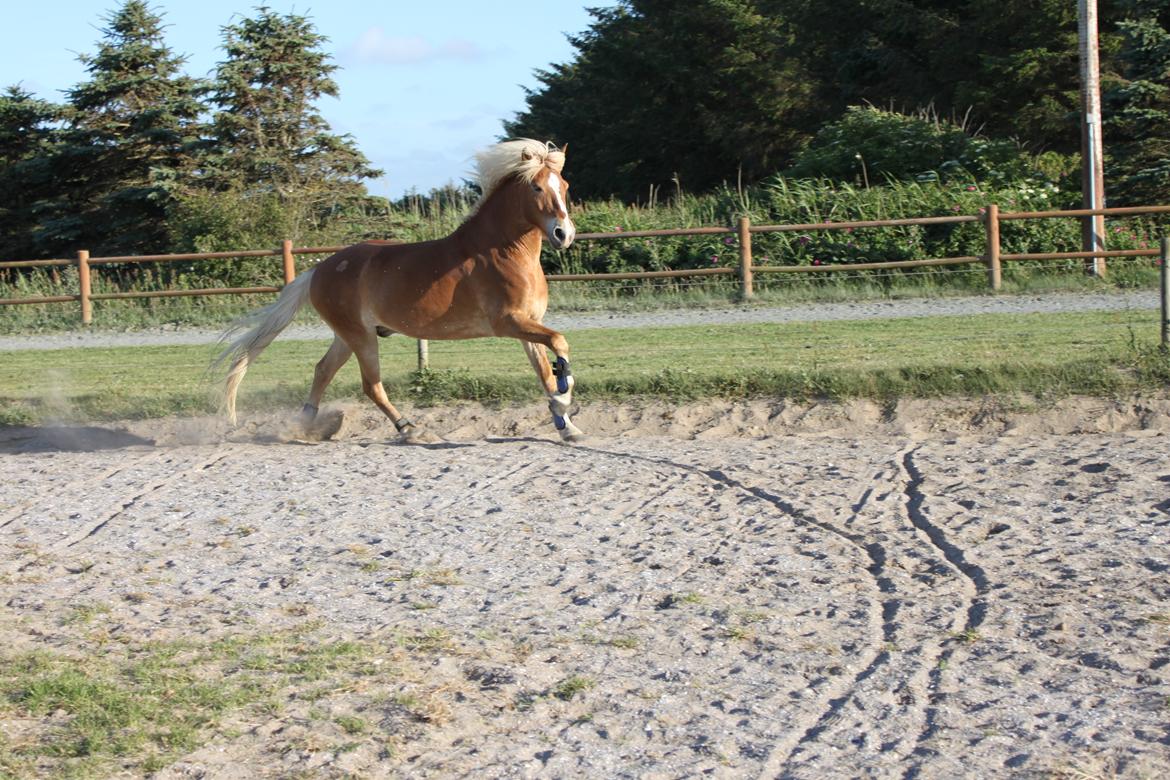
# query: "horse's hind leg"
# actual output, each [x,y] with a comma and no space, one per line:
[558,386]
[327,368]
[366,350]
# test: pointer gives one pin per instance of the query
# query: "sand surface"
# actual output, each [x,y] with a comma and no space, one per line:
[927,590]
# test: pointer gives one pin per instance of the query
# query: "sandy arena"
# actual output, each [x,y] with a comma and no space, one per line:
[740,590]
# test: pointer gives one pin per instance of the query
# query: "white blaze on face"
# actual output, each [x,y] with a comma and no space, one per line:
[561,220]
[554,184]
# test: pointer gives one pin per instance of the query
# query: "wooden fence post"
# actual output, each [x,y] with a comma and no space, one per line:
[290,268]
[745,257]
[1165,292]
[994,270]
[423,356]
[84,284]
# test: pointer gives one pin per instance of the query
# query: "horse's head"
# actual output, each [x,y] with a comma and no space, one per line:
[547,207]
[527,175]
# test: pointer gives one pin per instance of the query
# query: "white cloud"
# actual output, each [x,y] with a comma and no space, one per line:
[375,47]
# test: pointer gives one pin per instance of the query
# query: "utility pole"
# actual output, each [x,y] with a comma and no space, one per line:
[1092,169]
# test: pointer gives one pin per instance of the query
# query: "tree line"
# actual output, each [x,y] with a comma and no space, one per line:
[141,157]
[658,96]
[692,94]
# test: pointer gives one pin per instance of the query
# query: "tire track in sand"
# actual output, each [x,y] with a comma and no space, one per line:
[908,701]
[833,698]
[976,589]
[914,675]
[831,711]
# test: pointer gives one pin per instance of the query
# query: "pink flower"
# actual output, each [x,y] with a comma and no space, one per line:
[729,241]
[803,240]
[956,208]
[816,261]
[970,188]
[714,259]
[617,228]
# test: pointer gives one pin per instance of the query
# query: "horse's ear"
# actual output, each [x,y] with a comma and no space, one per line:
[525,155]
[565,149]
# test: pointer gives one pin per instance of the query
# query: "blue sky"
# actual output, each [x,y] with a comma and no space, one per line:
[422,84]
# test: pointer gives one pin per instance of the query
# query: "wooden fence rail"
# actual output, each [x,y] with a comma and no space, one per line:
[991,218]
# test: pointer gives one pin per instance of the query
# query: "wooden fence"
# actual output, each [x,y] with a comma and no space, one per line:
[992,258]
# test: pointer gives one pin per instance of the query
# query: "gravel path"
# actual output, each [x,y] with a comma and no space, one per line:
[573,321]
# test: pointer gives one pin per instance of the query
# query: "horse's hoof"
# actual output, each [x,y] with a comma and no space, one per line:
[571,434]
[322,427]
[414,435]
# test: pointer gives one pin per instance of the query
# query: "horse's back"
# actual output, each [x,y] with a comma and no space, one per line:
[410,288]
[358,265]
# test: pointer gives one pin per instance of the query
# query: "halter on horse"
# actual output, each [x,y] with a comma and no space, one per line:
[482,280]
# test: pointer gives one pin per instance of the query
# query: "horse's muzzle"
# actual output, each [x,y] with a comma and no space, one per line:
[561,234]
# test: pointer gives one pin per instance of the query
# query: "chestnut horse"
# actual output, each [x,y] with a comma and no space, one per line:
[482,280]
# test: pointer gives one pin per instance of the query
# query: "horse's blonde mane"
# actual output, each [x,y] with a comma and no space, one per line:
[522,157]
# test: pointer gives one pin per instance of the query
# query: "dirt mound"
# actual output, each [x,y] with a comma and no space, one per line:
[710,419]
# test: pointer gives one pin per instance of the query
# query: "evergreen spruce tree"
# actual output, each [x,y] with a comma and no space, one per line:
[268,138]
[703,88]
[28,132]
[1137,108]
[661,93]
[131,135]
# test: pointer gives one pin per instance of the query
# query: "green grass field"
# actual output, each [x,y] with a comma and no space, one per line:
[1048,355]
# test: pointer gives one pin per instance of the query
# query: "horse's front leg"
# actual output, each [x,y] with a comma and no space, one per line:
[556,378]
[558,384]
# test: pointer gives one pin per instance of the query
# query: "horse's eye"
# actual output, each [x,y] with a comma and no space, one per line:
[536,188]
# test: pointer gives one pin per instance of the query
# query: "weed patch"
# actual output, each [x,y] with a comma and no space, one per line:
[138,707]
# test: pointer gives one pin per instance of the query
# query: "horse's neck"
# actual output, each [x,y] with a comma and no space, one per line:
[495,227]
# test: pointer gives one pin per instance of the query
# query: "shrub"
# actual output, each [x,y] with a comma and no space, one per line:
[783,200]
[871,146]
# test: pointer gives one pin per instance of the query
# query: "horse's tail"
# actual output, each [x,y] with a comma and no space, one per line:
[248,337]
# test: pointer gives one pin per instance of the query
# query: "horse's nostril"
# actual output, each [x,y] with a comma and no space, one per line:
[559,233]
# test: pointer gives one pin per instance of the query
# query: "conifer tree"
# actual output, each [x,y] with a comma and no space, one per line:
[28,131]
[672,94]
[1137,108]
[268,135]
[706,88]
[131,132]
